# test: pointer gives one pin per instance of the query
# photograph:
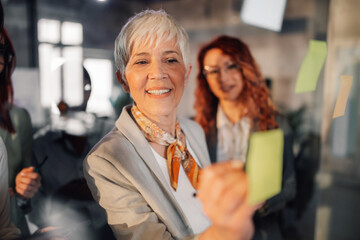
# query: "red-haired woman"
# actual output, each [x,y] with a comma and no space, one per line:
[16,132]
[232,101]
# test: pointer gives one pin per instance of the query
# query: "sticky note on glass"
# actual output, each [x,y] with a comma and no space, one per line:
[263,13]
[343,95]
[264,165]
[311,67]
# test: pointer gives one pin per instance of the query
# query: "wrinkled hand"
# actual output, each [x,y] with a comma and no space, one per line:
[27,182]
[223,193]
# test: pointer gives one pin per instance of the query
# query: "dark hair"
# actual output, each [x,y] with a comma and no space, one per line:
[6,87]
[263,116]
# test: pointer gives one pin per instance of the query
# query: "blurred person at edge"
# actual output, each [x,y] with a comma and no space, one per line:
[7,229]
[144,172]
[16,132]
[64,199]
[231,102]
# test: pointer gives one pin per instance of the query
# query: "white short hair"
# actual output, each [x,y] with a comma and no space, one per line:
[148,27]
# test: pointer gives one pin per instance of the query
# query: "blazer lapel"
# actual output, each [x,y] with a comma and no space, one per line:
[195,144]
[128,127]
[131,131]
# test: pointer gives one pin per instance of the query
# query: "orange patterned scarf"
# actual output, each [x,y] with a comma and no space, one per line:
[176,152]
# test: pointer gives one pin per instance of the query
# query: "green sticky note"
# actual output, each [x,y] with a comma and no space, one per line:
[311,67]
[264,165]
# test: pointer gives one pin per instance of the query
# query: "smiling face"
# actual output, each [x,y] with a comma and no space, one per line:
[223,75]
[156,78]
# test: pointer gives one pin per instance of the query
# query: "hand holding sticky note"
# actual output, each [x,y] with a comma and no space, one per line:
[264,165]
[311,67]
[343,95]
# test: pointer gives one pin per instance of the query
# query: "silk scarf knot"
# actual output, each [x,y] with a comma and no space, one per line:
[177,153]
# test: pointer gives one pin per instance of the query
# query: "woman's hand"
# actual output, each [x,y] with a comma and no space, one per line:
[27,182]
[223,193]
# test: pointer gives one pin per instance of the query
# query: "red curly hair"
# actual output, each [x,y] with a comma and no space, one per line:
[6,87]
[254,89]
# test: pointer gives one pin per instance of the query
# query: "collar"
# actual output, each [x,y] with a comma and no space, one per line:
[221,118]
[223,121]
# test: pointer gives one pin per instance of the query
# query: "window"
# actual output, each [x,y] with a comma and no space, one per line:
[60,62]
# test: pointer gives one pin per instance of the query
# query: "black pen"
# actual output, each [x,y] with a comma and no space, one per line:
[42,163]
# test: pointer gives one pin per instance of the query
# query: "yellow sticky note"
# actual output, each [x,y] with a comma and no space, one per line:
[343,95]
[264,165]
[311,67]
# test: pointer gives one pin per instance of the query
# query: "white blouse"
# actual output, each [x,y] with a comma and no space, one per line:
[232,138]
[189,204]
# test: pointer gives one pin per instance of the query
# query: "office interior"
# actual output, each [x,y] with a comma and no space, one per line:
[55,39]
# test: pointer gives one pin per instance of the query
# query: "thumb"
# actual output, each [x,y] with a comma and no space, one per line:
[28,169]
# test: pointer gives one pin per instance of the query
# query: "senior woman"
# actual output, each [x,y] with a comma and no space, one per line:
[144,173]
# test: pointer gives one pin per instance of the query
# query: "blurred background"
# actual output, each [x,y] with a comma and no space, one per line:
[56,39]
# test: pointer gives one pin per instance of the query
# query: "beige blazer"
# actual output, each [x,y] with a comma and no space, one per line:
[127,182]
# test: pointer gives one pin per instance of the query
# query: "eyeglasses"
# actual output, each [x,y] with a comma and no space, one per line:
[214,72]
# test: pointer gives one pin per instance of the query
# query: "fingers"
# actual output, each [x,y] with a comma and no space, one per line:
[28,169]
[47,229]
[226,191]
[27,182]
[27,191]
[258,206]
[235,193]
[221,178]
[237,164]
[223,193]
[224,167]
[222,189]
[28,176]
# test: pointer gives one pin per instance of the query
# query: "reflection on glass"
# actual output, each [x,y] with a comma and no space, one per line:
[73,76]
[50,81]
[101,74]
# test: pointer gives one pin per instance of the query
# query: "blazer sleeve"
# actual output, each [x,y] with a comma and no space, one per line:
[25,133]
[288,190]
[129,215]
[7,229]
